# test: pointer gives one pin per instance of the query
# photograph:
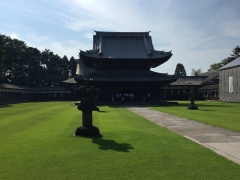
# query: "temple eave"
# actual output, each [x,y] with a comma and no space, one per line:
[81,79]
[97,56]
[127,76]
[118,63]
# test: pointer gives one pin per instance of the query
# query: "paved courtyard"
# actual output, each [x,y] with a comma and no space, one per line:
[222,141]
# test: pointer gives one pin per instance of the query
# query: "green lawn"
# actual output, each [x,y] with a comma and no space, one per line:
[220,114]
[36,142]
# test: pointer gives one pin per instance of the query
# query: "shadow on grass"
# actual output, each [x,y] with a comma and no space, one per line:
[206,110]
[5,105]
[106,144]
[125,106]
[114,106]
[102,111]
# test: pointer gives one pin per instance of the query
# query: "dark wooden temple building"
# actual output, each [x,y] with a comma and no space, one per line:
[120,63]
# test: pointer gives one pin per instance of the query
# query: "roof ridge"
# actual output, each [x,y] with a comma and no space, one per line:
[112,32]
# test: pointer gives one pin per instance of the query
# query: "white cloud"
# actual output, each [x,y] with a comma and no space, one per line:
[89,36]
[198,33]
[14,36]
[78,24]
[106,15]
[69,47]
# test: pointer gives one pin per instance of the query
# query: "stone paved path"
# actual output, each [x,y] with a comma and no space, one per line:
[222,141]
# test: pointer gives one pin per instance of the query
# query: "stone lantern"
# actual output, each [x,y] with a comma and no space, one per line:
[87,94]
[192,99]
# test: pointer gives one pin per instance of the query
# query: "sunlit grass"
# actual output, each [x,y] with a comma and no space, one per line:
[36,142]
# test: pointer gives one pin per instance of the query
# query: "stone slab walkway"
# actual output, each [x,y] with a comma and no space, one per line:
[222,141]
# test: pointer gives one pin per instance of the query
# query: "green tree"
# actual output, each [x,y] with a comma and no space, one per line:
[15,58]
[196,72]
[72,67]
[234,55]
[65,67]
[35,72]
[50,64]
[2,50]
[215,66]
[55,67]
[23,65]
[180,70]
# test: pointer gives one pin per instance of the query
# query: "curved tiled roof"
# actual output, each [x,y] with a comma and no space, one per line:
[82,69]
[124,45]
[70,81]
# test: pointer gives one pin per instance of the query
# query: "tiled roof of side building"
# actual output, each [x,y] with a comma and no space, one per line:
[124,45]
[189,80]
[13,86]
[211,75]
[209,87]
[234,63]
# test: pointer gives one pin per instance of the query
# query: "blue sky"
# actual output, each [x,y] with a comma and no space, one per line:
[199,33]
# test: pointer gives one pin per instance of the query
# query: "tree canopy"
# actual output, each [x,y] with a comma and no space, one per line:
[23,65]
[1,57]
[180,70]
[72,67]
[234,55]
[196,72]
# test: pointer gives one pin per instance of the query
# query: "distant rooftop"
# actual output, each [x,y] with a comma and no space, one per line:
[189,80]
[235,62]
[14,86]
[212,75]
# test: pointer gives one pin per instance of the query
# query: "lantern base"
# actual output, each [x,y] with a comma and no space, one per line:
[91,131]
[193,107]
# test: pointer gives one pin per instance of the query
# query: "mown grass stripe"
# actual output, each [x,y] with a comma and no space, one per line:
[225,115]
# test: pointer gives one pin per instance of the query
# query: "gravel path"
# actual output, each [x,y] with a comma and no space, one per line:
[222,141]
